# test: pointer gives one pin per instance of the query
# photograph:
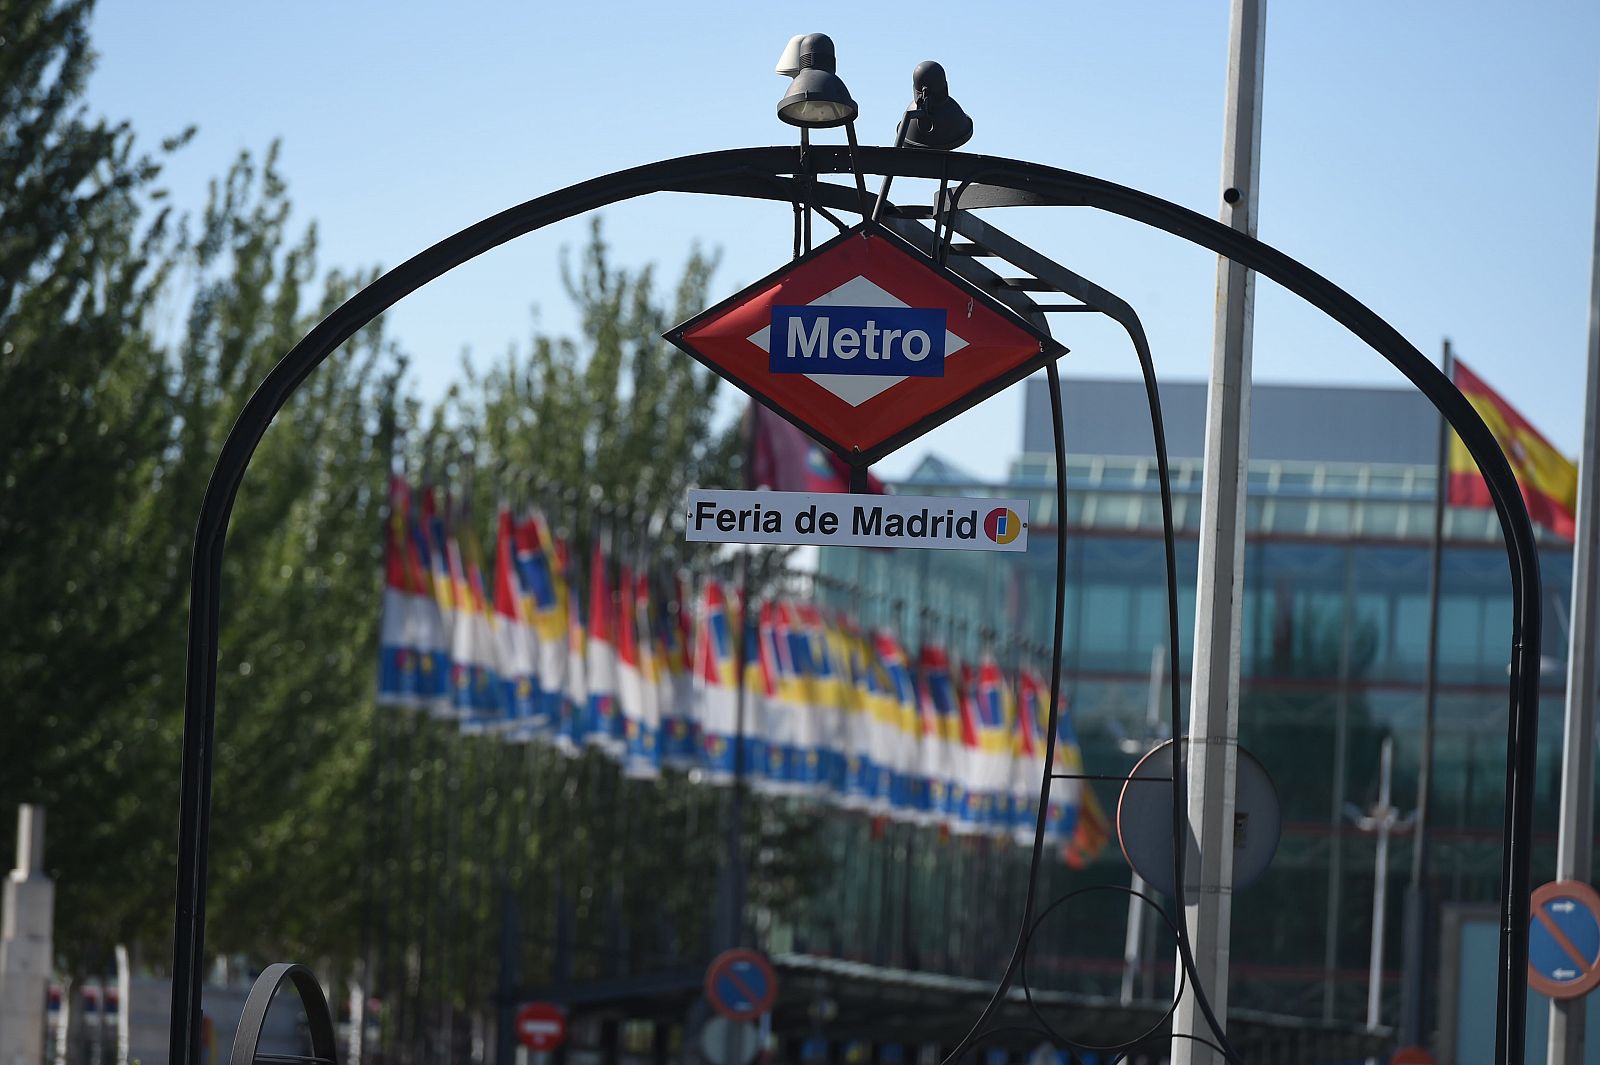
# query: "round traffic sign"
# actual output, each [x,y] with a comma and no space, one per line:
[1144,820]
[741,985]
[1564,939]
[1411,1056]
[725,1042]
[541,1026]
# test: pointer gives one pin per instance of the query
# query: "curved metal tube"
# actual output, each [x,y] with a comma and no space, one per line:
[1120,311]
[319,1019]
[751,172]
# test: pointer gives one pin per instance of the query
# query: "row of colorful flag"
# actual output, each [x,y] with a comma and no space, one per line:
[645,667]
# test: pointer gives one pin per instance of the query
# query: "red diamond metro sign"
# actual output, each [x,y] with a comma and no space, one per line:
[865,343]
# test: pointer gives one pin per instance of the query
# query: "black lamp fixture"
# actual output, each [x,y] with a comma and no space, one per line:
[934,120]
[817,98]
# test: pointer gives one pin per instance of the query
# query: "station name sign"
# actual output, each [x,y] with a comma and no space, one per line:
[828,519]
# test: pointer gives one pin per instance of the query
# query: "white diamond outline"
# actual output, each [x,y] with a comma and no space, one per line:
[856,389]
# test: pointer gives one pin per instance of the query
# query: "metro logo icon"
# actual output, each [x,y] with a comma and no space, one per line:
[1002,525]
[903,341]
[865,343]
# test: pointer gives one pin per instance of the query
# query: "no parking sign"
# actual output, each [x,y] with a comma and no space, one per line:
[741,984]
[1564,939]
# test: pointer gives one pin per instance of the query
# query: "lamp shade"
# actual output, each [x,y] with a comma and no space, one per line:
[934,119]
[817,97]
[789,61]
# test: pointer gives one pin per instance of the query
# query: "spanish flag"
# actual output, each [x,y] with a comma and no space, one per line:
[1549,482]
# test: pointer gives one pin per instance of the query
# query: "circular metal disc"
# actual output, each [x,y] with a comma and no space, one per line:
[725,1042]
[1144,820]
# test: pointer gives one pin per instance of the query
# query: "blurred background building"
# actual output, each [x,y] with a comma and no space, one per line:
[1342,484]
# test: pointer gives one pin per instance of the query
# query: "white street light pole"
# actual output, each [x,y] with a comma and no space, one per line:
[1384,820]
[1214,708]
[1383,817]
[1573,843]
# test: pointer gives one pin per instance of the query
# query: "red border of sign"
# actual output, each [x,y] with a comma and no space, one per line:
[1585,896]
[724,961]
[1049,348]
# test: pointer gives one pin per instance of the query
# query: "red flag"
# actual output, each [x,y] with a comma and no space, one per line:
[626,623]
[785,459]
[396,574]
[1092,833]
[1549,481]
[505,581]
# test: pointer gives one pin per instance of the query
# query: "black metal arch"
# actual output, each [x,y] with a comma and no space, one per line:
[760,173]
[319,1019]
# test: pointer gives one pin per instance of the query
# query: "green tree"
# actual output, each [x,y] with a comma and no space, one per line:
[103,457]
[302,577]
[619,411]
[84,435]
[103,460]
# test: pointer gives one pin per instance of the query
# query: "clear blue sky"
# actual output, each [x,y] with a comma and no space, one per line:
[1436,159]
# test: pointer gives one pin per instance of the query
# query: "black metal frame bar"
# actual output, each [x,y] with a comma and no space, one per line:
[760,173]
[1050,276]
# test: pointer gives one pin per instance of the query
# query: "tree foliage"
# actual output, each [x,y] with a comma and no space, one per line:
[618,410]
[299,634]
[340,831]
[84,438]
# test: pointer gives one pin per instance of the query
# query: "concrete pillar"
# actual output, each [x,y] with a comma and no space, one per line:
[25,945]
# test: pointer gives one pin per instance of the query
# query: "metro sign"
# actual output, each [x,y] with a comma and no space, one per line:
[865,343]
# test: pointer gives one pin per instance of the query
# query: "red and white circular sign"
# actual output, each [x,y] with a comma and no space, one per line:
[1411,1056]
[541,1026]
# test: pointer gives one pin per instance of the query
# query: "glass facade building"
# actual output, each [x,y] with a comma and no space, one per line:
[1333,655]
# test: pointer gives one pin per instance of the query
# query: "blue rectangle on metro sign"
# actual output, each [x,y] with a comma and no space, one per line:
[857,341]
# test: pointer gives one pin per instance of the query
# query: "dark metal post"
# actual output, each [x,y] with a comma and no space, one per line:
[374,914]
[1414,987]
[661,1043]
[505,999]
[610,1041]
[1341,738]
[397,1003]
[733,894]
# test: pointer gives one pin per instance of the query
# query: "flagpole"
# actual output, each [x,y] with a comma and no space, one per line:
[1574,840]
[733,917]
[1133,935]
[1413,987]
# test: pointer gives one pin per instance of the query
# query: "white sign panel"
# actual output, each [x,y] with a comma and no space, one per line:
[828,519]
